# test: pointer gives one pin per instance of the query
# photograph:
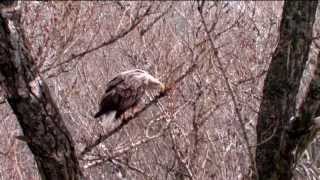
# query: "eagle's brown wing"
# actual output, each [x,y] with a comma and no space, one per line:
[129,95]
[110,100]
[122,93]
[114,83]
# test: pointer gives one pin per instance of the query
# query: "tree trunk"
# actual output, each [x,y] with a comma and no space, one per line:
[274,153]
[42,125]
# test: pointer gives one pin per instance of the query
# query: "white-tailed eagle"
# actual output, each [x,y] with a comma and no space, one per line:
[124,91]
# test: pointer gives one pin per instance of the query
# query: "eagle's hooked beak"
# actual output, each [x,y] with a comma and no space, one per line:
[162,88]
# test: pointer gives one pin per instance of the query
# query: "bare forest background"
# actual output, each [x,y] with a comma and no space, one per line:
[204,128]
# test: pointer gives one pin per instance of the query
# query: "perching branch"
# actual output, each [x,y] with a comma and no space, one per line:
[119,151]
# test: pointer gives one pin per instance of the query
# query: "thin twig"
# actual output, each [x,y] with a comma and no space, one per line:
[228,84]
[104,44]
[144,30]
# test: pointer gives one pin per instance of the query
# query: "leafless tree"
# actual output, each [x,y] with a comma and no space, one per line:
[213,57]
[280,127]
[28,96]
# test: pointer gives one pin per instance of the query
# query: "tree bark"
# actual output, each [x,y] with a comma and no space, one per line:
[274,153]
[28,95]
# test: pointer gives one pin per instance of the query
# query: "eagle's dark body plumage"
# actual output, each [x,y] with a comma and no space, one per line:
[125,91]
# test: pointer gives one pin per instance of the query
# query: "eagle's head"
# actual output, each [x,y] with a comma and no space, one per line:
[156,84]
[148,80]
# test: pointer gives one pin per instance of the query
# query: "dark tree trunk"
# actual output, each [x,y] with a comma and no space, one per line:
[42,125]
[274,153]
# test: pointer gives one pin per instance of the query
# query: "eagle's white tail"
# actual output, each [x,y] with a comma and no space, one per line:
[108,118]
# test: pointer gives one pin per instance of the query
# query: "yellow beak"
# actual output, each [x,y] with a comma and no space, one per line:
[162,87]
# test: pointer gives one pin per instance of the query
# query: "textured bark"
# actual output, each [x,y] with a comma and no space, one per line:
[274,153]
[303,129]
[42,125]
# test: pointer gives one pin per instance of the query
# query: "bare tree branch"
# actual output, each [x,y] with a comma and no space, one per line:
[112,40]
[228,84]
